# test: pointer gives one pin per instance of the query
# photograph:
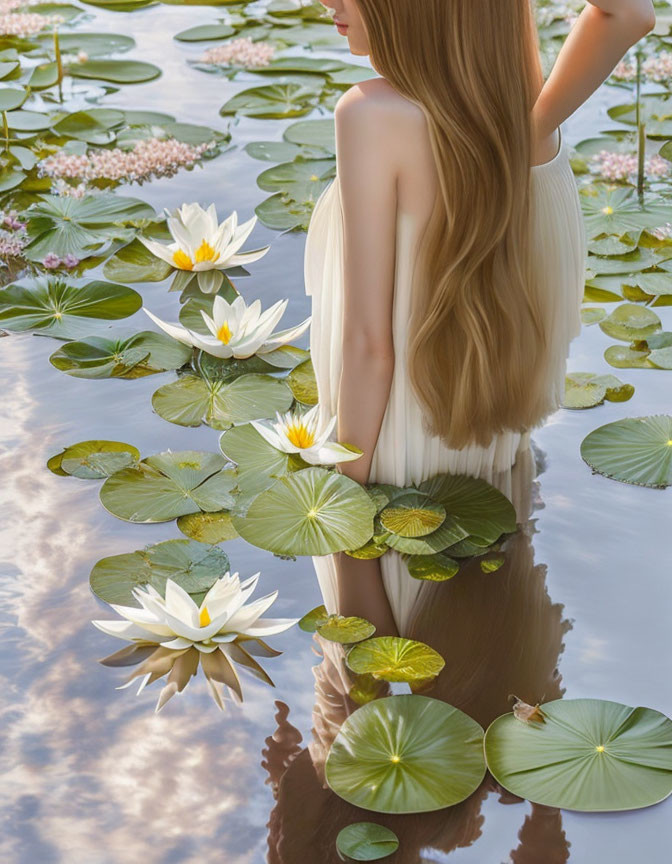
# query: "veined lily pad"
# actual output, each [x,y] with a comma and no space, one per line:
[392,658]
[413,515]
[617,211]
[406,754]
[634,450]
[275,101]
[62,309]
[208,527]
[477,507]
[491,565]
[302,383]
[93,460]
[586,390]
[194,566]
[346,630]
[135,263]
[432,568]
[587,754]
[313,619]
[366,841]
[168,485]
[192,400]
[145,353]
[259,463]
[630,321]
[309,512]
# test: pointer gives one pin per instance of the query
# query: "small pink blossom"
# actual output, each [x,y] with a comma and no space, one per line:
[625,71]
[26,24]
[11,245]
[51,261]
[623,166]
[240,52]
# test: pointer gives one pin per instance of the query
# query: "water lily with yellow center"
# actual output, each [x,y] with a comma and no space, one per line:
[171,634]
[303,433]
[236,330]
[202,246]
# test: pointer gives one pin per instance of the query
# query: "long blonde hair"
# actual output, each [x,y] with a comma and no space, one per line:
[477,343]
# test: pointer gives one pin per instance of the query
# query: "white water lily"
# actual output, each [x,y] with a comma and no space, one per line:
[171,634]
[201,245]
[300,432]
[237,330]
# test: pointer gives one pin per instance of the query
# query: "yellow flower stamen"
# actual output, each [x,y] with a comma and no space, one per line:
[182,261]
[204,618]
[225,333]
[395,758]
[669,443]
[299,435]
[206,252]
[608,210]
[600,748]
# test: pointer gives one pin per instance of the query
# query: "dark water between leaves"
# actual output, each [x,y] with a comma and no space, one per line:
[93,775]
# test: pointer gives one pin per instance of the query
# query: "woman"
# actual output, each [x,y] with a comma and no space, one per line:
[446,259]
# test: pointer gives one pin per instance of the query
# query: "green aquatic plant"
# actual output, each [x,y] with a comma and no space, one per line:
[630,321]
[366,841]
[63,308]
[130,357]
[635,450]
[393,658]
[171,635]
[654,352]
[406,754]
[336,628]
[587,389]
[208,527]
[170,484]
[583,754]
[93,460]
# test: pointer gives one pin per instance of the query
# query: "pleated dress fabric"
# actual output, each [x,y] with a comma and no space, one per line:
[404,453]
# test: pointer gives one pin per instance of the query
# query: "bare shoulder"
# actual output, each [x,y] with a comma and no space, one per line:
[376,100]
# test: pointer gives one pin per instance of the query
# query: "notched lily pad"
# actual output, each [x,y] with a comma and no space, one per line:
[366,841]
[392,658]
[635,450]
[93,460]
[346,630]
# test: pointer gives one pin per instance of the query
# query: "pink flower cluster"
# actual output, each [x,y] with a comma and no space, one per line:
[52,261]
[26,24]
[240,52]
[155,156]
[557,12]
[11,245]
[622,166]
[658,68]
[64,189]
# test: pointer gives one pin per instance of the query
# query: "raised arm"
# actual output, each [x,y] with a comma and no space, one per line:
[601,35]
[367,169]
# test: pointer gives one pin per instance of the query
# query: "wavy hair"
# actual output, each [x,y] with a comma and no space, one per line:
[477,345]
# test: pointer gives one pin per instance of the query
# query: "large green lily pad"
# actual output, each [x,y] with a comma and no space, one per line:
[635,450]
[64,309]
[413,515]
[93,460]
[208,527]
[392,658]
[630,321]
[168,485]
[366,841]
[194,566]
[145,353]
[309,512]
[406,754]
[587,754]
[586,390]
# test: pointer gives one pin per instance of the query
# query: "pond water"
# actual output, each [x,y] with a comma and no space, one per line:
[93,775]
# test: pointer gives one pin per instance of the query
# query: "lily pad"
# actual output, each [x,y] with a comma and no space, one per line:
[276,101]
[592,315]
[630,321]
[302,383]
[432,568]
[259,463]
[635,450]
[168,485]
[145,353]
[366,841]
[309,512]
[194,566]
[346,630]
[413,516]
[135,263]
[208,527]
[586,390]
[93,460]
[406,754]
[116,71]
[392,658]
[313,619]
[587,754]
[63,309]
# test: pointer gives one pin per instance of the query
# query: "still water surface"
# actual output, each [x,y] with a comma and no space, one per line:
[93,776]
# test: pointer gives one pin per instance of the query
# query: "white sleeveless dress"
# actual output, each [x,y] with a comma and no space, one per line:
[404,453]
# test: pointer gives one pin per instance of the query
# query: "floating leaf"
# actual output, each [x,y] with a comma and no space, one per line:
[392,658]
[406,754]
[366,841]
[313,619]
[93,460]
[116,71]
[309,512]
[589,754]
[346,630]
[275,101]
[259,463]
[634,450]
[194,566]
[135,263]
[168,485]
[208,527]
[630,321]
[491,565]
[413,516]
[432,568]
[63,309]
[302,383]
[586,389]
[592,315]
[145,353]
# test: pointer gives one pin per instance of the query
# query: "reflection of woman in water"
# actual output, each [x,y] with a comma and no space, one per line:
[446,258]
[500,634]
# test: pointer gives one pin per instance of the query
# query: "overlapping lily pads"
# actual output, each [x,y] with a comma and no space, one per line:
[194,566]
[64,309]
[584,754]
[406,754]
[392,658]
[635,450]
[586,390]
[654,352]
[145,353]
[168,485]
[93,460]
